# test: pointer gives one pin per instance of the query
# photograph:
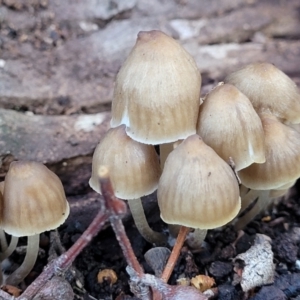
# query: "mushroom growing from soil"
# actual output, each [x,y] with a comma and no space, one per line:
[34,202]
[197,188]
[229,124]
[282,166]
[134,170]
[157,92]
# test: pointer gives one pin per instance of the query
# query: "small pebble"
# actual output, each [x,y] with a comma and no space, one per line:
[219,269]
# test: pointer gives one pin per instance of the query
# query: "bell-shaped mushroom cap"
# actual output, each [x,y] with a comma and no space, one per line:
[34,199]
[229,124]
[282,157]
[268,88]
[197,188]
[157,91]
[133,167]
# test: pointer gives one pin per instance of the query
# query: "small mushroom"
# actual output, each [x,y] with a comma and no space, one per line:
[229,124]
[34,201]
[282,157]
[282,167]
[197,188]
[158,79]
[134,170]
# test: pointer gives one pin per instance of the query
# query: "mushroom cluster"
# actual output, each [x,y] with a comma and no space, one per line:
[32,201]
[156,102]
[247,119]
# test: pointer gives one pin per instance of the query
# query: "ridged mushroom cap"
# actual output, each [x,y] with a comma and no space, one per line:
[157,91]
[197,188]
[282,157]
[229,124]
[268,88]
[34,199]
[133,167]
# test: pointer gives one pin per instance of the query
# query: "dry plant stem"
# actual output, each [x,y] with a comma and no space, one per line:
[174,254]
[62,263]
[138,214]
[30,258]
[262,202]
[10,249]
[116,208]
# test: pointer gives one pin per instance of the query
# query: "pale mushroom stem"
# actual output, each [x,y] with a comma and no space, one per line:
[248,198]
[30,258]
[196,238]
[164,151]
[138,214]
[262,202]
[10,249]
[243,190]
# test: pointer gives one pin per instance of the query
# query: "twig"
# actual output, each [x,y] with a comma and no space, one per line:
[175,253]
[116,207]
[63,262]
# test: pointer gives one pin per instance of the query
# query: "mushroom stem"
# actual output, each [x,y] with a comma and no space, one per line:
[248,198]
[196,238]
[164,151]
[138,214]
[10,249]
[3,241]
[243,191]
[174,254]
[30,258]
[261,203]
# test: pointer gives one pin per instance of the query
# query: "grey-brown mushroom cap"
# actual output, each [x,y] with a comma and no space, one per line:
[197,188]
[282,164]
[229,124]
[267,87]
[134,167]
[34,199]
[157,91]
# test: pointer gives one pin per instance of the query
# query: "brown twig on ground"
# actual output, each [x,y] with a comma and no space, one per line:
[115,208]
[175,253]
[62,263]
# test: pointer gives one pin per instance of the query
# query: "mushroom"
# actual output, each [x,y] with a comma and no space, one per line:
[157,92]
[6,250]
[34,202]
[268,88]
[282,166]
[197,188]
[134,169]
[228,123]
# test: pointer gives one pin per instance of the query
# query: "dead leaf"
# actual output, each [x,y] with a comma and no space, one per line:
[255,267]
[202,282]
